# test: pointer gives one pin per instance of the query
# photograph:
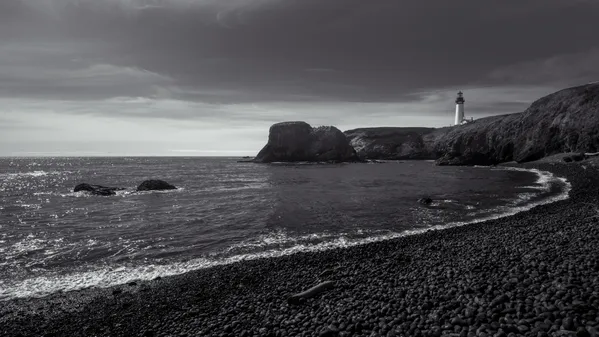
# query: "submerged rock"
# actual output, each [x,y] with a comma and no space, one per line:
[97,189]
[425,201]
[298,141]
[155,185]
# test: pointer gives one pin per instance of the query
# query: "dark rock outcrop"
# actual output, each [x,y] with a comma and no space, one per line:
[575,157]
[425,201]
[298,141]
[579,157]
[565,121]
[155,185]
[97,189]
[392,143]
[487,141]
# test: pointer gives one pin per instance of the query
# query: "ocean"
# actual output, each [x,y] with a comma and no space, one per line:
[52,239]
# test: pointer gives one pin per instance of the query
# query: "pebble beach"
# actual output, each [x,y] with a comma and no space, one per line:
[532,274]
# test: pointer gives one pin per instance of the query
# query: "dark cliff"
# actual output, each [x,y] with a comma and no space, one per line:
[392,143]
[565,121]
[298,141]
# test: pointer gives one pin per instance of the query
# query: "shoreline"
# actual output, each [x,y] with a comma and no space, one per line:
[403,281]
[30,288]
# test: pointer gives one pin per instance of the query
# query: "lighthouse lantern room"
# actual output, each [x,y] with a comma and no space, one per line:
[459,109]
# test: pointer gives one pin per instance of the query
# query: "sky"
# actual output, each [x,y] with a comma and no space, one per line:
[209,77]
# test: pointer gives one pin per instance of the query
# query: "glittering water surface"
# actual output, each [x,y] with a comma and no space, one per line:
[223,211]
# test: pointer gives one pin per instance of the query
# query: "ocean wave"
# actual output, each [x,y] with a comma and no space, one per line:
[451,203]
[124,193]
[282,237]
[120,193]
[20,207]
[251,186]
[31,174]
[544,178]
[120,274]
[32,243]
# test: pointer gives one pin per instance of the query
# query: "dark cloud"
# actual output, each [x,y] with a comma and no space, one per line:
[376,50]
[262,61]
[574,67]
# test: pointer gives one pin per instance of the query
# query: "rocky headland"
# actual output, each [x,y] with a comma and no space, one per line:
[565,121]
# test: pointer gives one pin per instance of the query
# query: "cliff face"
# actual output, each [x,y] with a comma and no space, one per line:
[486,141]
[565,121]
[298,141]
[391,143]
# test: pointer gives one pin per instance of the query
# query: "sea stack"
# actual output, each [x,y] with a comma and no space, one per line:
[298,141]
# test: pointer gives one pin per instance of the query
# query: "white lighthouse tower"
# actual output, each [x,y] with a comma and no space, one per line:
[459,108]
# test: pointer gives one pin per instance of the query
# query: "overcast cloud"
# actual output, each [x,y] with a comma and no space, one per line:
[181,77]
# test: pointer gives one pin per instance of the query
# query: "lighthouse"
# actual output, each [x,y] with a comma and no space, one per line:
[459,108]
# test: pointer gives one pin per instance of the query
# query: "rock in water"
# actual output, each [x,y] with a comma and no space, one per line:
[155,185]
[298,141]
[425,201]
[97,189]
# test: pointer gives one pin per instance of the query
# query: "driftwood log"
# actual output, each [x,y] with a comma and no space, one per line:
[317,289]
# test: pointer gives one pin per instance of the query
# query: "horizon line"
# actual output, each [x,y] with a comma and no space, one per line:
[120,156]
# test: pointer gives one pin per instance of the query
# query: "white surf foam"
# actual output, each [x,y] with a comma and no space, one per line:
[281,237]
[120,193]
[30,174]
[543,182]
[110,276]
[249,186]
[134,192]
